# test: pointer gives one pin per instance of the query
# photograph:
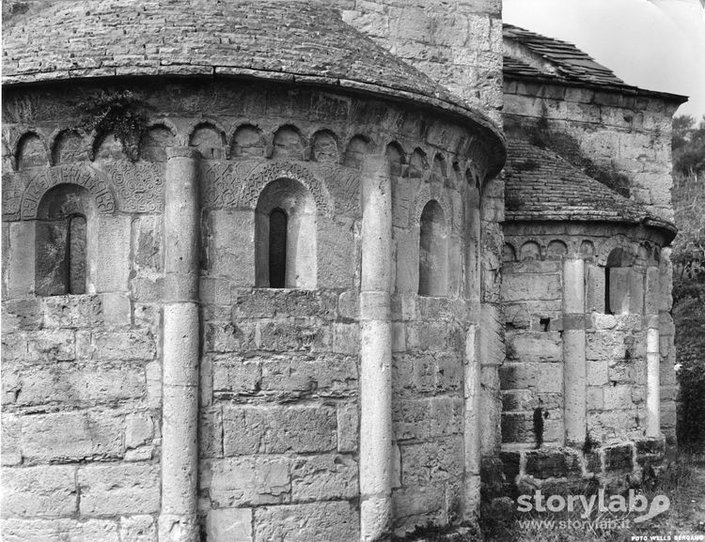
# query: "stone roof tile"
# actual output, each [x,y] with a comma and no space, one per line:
[542,186]
[571,65]
[253,38]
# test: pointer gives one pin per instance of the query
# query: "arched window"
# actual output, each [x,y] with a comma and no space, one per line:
[285,236]
[433,251]
[62,241]
[618,281]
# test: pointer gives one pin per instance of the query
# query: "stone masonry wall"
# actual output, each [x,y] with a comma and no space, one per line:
[279,438]
[81,374]
[458,44]
[615,351]
[623,141]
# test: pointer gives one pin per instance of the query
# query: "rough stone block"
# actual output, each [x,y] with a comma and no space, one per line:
[51,345]
[348,427]
[23,313]
[534,346]
[618,397]
[231,524]
[279,429]
[415,500]
[229,337]
[552,464]
[531,286]
[119,489]
[71,385]
[233,374]
[324,376]
[59,530]
[229,245]
[549,378]
[324,477]
[318,522]
[139,429]
[518,375]
[138,529]
[297,335]
[39,491]
[618,458]
[124,345]
[117,309]
[431,462]
[73,311]
[112,262]
[19,273]
[246,481]
[427,417]
[93,435]
[14,347]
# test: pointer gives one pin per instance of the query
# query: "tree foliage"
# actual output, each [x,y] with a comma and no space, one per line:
[688,259]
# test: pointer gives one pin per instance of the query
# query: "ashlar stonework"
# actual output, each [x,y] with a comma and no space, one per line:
[298,300]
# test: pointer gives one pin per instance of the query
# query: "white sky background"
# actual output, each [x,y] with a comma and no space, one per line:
[653,44]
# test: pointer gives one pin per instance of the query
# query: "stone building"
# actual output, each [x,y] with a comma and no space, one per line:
[252,269]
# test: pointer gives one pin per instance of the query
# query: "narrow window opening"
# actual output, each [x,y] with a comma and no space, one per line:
[545,324]
[76,254]
[433,251]
[608,306]
[277,248]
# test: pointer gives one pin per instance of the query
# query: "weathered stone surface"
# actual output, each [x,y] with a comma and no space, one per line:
[93,435]
[542,346]
[431,462]
[120,489]
[426,418]
[233,524]
[69,384]
[246,481]
[59,530]
[319,522]
[324,477]
[120,345]
[39,491]
[51,345]
[137,529]
[73,311]
[272,430]
[552,463]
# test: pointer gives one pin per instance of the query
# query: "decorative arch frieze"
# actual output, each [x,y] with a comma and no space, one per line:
[77,174]
[268,172]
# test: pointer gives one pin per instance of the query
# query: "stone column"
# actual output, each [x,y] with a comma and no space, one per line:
[472,374]
[376,352]
[574,371]
[178,521]
[653,380]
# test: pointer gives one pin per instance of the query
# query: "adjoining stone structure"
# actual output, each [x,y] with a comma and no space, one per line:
[586,274]
[277,314]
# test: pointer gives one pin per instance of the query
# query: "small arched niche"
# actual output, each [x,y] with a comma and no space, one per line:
[556,250]
[248,142]
[209,140]
[107,147]
[433,251]
[288,143]
[155,142]
[62,241]
[356,151]
[324,147]
[530,251]
[418,164]
[30,152]
[285,236]
[395,158]
[68,148]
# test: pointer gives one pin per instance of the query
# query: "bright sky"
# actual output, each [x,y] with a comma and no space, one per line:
[653,44]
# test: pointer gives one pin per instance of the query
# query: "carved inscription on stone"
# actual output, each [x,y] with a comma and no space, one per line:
[139,186]
[12,188]
[79,174]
